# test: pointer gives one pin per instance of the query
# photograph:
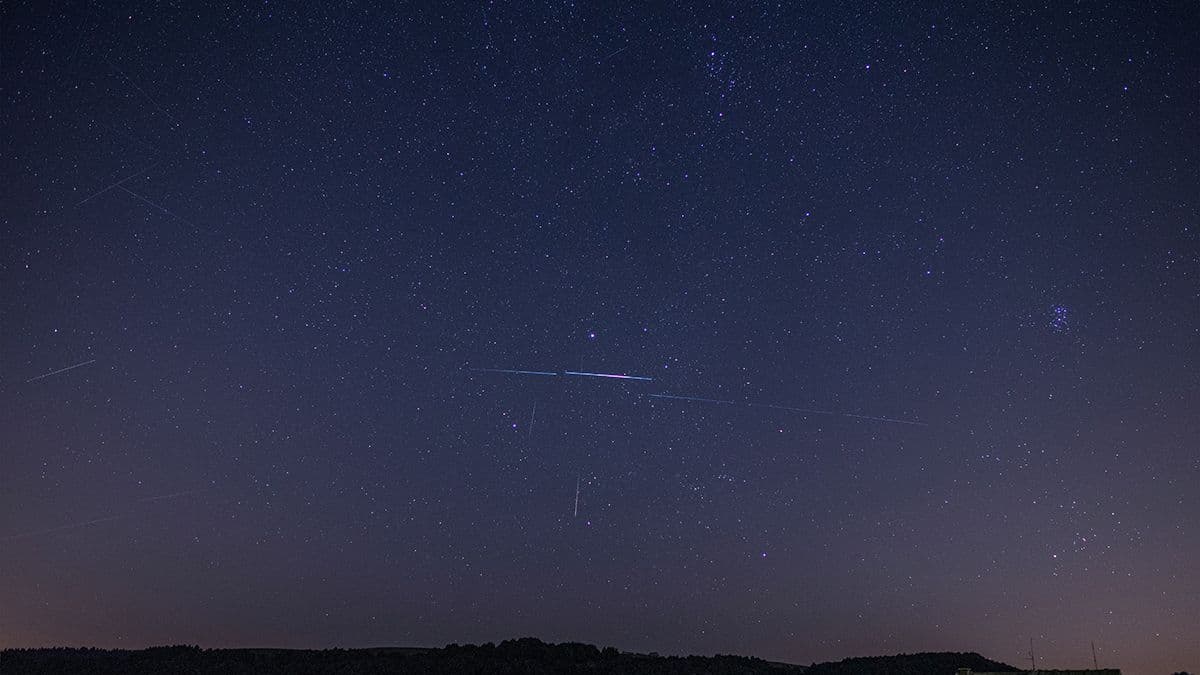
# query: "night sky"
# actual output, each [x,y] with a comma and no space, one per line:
[914,293]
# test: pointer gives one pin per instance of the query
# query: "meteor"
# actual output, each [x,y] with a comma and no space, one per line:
[694,398]
[514,372]
[791,409]
[60,370]
[573,373]
[887,419]
[117,184]
[608,375]
[97,521]
[61,528]
[173,495]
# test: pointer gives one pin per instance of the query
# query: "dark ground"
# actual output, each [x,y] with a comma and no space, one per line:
[527,655]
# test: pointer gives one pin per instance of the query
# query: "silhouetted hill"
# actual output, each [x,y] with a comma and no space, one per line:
[511,657]
[928,663]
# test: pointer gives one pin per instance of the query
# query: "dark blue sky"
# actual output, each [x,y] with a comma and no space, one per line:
[280,237]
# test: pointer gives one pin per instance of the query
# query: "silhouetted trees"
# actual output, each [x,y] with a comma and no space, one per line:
[511,657]
[930,663]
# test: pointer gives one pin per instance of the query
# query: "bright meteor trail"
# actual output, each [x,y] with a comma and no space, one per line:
[698,399]
[609,375]
[60,370]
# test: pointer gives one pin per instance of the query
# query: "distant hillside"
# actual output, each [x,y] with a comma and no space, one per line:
[511,657]
[928,663]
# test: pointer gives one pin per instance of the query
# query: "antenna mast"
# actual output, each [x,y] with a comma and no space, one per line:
[1032,660]
[1095,663]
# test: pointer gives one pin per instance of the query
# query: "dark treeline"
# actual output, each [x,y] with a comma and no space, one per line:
[911,664]
[527,655]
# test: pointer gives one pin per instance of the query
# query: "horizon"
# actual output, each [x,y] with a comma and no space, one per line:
[517,655]
[497,642]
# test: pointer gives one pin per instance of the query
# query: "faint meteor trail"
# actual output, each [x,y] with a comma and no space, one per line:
[116,184]
[577,496]
[573,373]
[61,528]
[887,419]
[514,372]
[612,54]
[60,370]
[143,93]
[694,398]
[792,409]
[173,495]
[160,208]
[529,435]
[811,411]
[608,375]
[97,521]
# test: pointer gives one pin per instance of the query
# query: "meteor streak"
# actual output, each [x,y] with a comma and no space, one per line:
[71,526]
[529,435]
[116,184]
[173,495]
[514,372]
[608,375]
[60,370]
[694,398]
[546,373]
[890,420]
[887,419]
[791,409]
[157,206]
[97,521]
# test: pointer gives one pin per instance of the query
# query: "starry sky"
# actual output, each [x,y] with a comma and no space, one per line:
[914,291]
